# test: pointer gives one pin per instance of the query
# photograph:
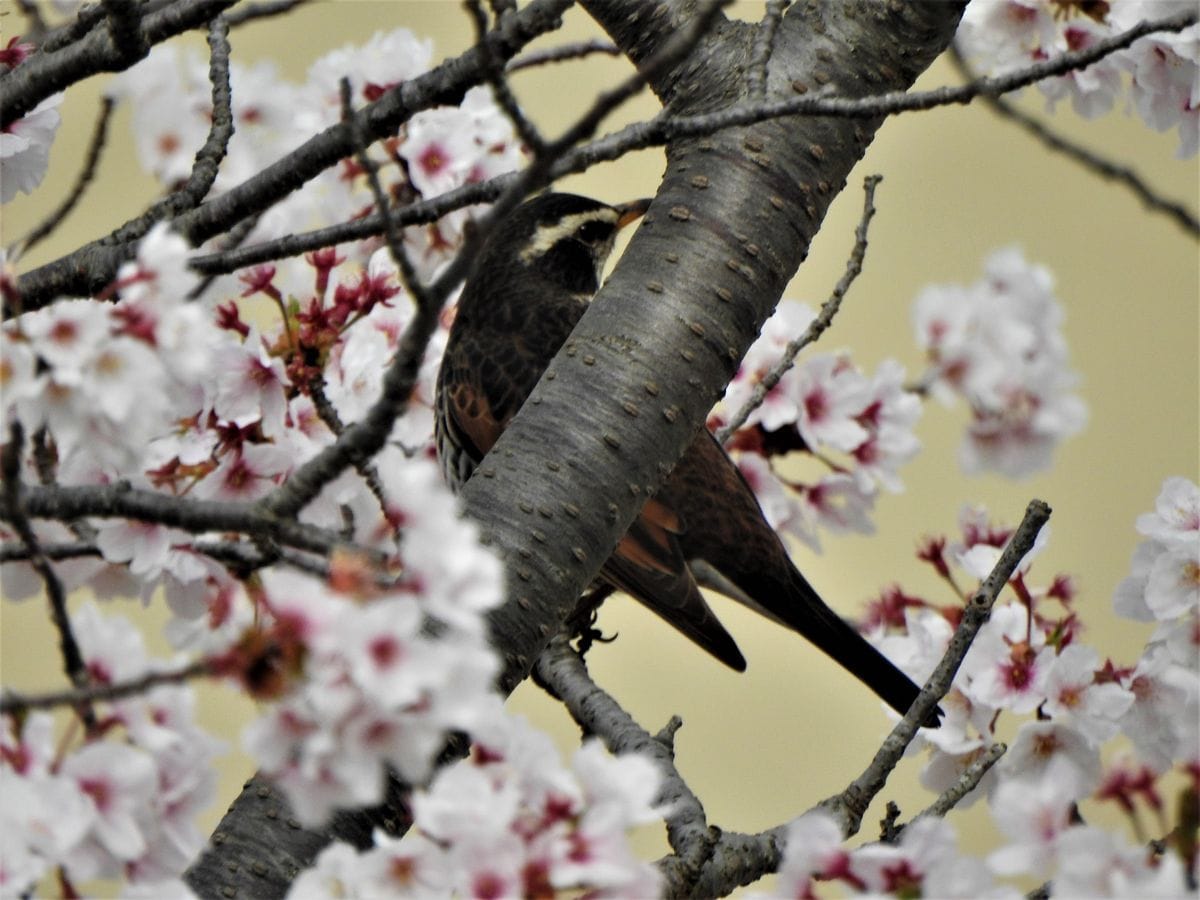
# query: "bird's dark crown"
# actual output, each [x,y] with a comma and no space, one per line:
[563,238]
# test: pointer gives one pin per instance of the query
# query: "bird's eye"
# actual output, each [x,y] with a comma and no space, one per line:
[594,232]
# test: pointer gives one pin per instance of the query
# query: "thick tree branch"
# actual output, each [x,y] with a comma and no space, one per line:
[731,222]
[561,670]
[120,501]
[100,50]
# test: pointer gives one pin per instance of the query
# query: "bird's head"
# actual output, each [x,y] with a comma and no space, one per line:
[564,239]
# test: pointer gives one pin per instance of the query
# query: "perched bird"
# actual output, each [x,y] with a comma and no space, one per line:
[531,282]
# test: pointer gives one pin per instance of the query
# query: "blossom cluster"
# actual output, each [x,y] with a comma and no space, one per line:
[998,344]
[118,801]
[510,821]
[435,151]
[1029,658]
[361,681]
[860,425]
[1163,69]
[188,389]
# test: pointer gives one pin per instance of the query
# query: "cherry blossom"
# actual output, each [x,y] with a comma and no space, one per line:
[998,344]
[1075,695]
[813,849]
[510,821]
[1163,69]
[374,687]
[1032,815]
[1163,721]
[925,862]
[1097,863]
[861,428]
[25,148]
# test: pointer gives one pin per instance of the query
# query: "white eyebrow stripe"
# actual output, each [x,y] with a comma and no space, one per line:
[548,235]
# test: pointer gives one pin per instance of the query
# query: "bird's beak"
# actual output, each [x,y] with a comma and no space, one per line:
[631,211]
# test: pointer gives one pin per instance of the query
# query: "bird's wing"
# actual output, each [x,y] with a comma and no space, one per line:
[649,566]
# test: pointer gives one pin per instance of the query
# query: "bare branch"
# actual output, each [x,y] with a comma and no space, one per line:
[252,12]
[818,325]
[208,158]
[121,501]
[764,43]
[17,515]
[47,73]
[500,87]
[12,703]
[849,806]
[562,670]
[965,783]
[562,53]
[52,221]
[1096,163]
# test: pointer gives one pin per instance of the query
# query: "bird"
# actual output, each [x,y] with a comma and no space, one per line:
[529,284]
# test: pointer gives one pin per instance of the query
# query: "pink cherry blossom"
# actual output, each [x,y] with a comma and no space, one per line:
[25,148]
[1074,695]
[1032,816]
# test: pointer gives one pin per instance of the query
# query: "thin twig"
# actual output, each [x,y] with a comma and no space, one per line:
[231,241]
[17,516]
[764,43]
[208,158]
[900,101]
[818,325]
[563,53]
[416,213]
[121,501]
[329,415]
[395,243]
[252,12]
[56,551]
[849,806]
[12,704]
[501,90]
[965,783]
[95,147]
[1090,160]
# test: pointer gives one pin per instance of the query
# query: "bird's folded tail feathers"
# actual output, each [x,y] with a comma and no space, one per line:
[811,617]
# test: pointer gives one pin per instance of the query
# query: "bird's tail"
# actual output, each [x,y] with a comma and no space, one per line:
[806,613]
